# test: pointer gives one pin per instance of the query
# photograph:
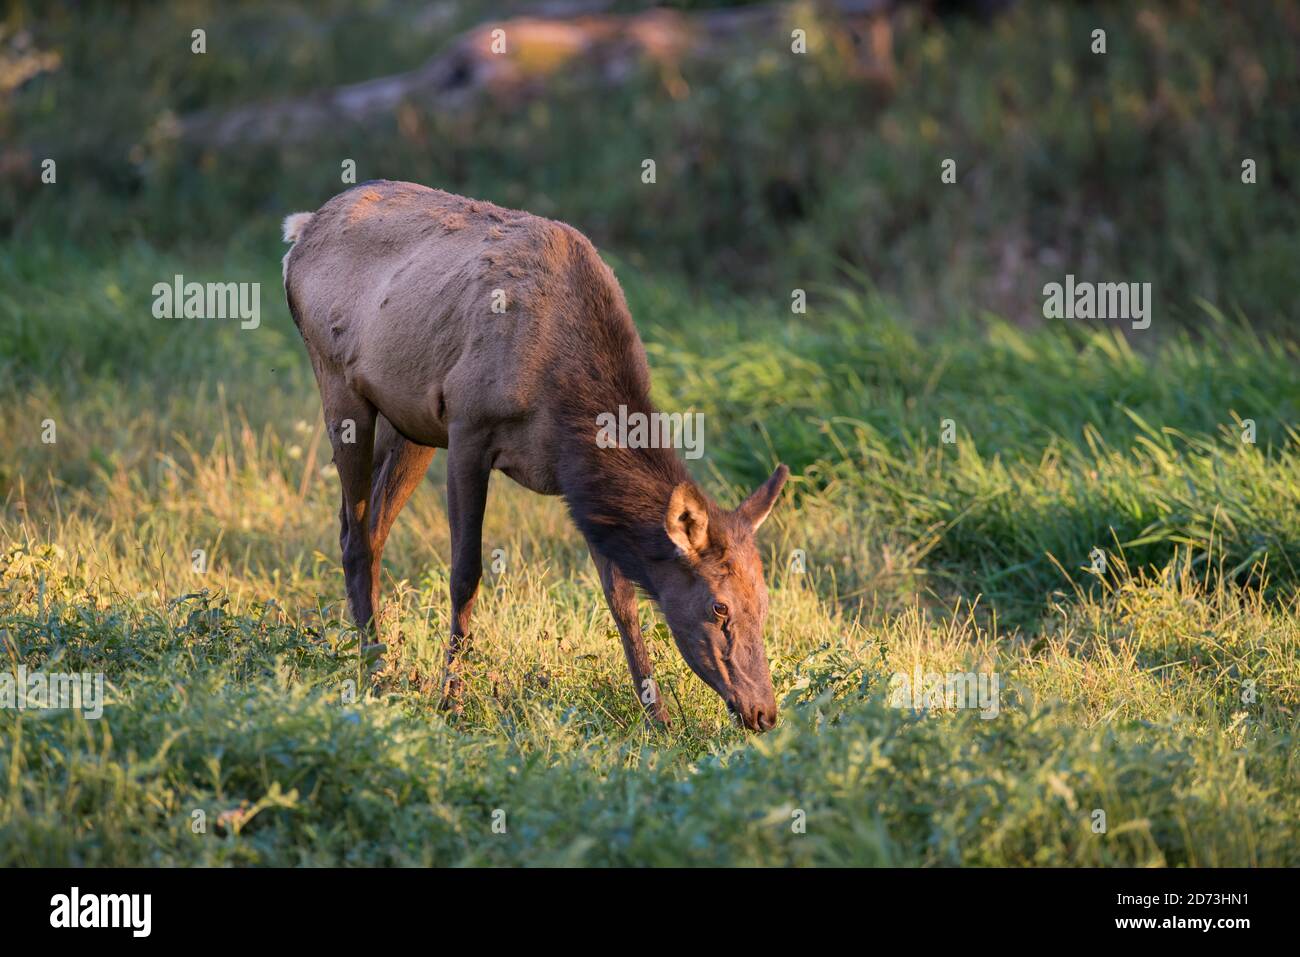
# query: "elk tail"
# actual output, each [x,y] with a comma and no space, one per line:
[294,224]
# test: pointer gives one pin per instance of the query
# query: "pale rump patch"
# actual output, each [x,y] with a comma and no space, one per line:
[294,224]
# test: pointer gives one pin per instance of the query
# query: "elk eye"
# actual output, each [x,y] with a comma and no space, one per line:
[720,609]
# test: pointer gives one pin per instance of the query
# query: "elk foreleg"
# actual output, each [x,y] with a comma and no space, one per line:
[620,595]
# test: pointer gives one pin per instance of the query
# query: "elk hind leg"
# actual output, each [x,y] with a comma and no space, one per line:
[399,465]
[350,424]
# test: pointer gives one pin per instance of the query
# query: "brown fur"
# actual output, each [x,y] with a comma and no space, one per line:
[391,286]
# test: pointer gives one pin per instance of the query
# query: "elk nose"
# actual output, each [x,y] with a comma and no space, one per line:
[763,718]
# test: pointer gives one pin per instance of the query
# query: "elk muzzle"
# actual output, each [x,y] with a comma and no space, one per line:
[757,712]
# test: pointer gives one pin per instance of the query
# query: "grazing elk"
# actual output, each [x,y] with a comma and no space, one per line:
[393,287]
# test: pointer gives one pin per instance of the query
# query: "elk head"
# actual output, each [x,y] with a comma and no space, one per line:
[712,595]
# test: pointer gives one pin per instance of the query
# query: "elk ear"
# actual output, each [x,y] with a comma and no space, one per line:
[755,509]
[687,520]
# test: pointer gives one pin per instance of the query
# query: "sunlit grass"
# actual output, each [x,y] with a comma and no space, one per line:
[1161,690]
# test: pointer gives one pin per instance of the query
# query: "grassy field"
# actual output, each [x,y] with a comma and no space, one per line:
[1162,692]
[958,463]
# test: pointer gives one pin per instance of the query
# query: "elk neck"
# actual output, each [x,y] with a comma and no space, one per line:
[618,496]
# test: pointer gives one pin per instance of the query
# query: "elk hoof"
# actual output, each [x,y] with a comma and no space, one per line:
[452,689]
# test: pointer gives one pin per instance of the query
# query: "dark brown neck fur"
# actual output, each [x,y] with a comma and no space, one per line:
[618,497]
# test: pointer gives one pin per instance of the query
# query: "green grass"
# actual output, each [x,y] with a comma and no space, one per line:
[1163,692]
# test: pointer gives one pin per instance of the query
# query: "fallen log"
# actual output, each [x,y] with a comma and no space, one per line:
[517,56]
